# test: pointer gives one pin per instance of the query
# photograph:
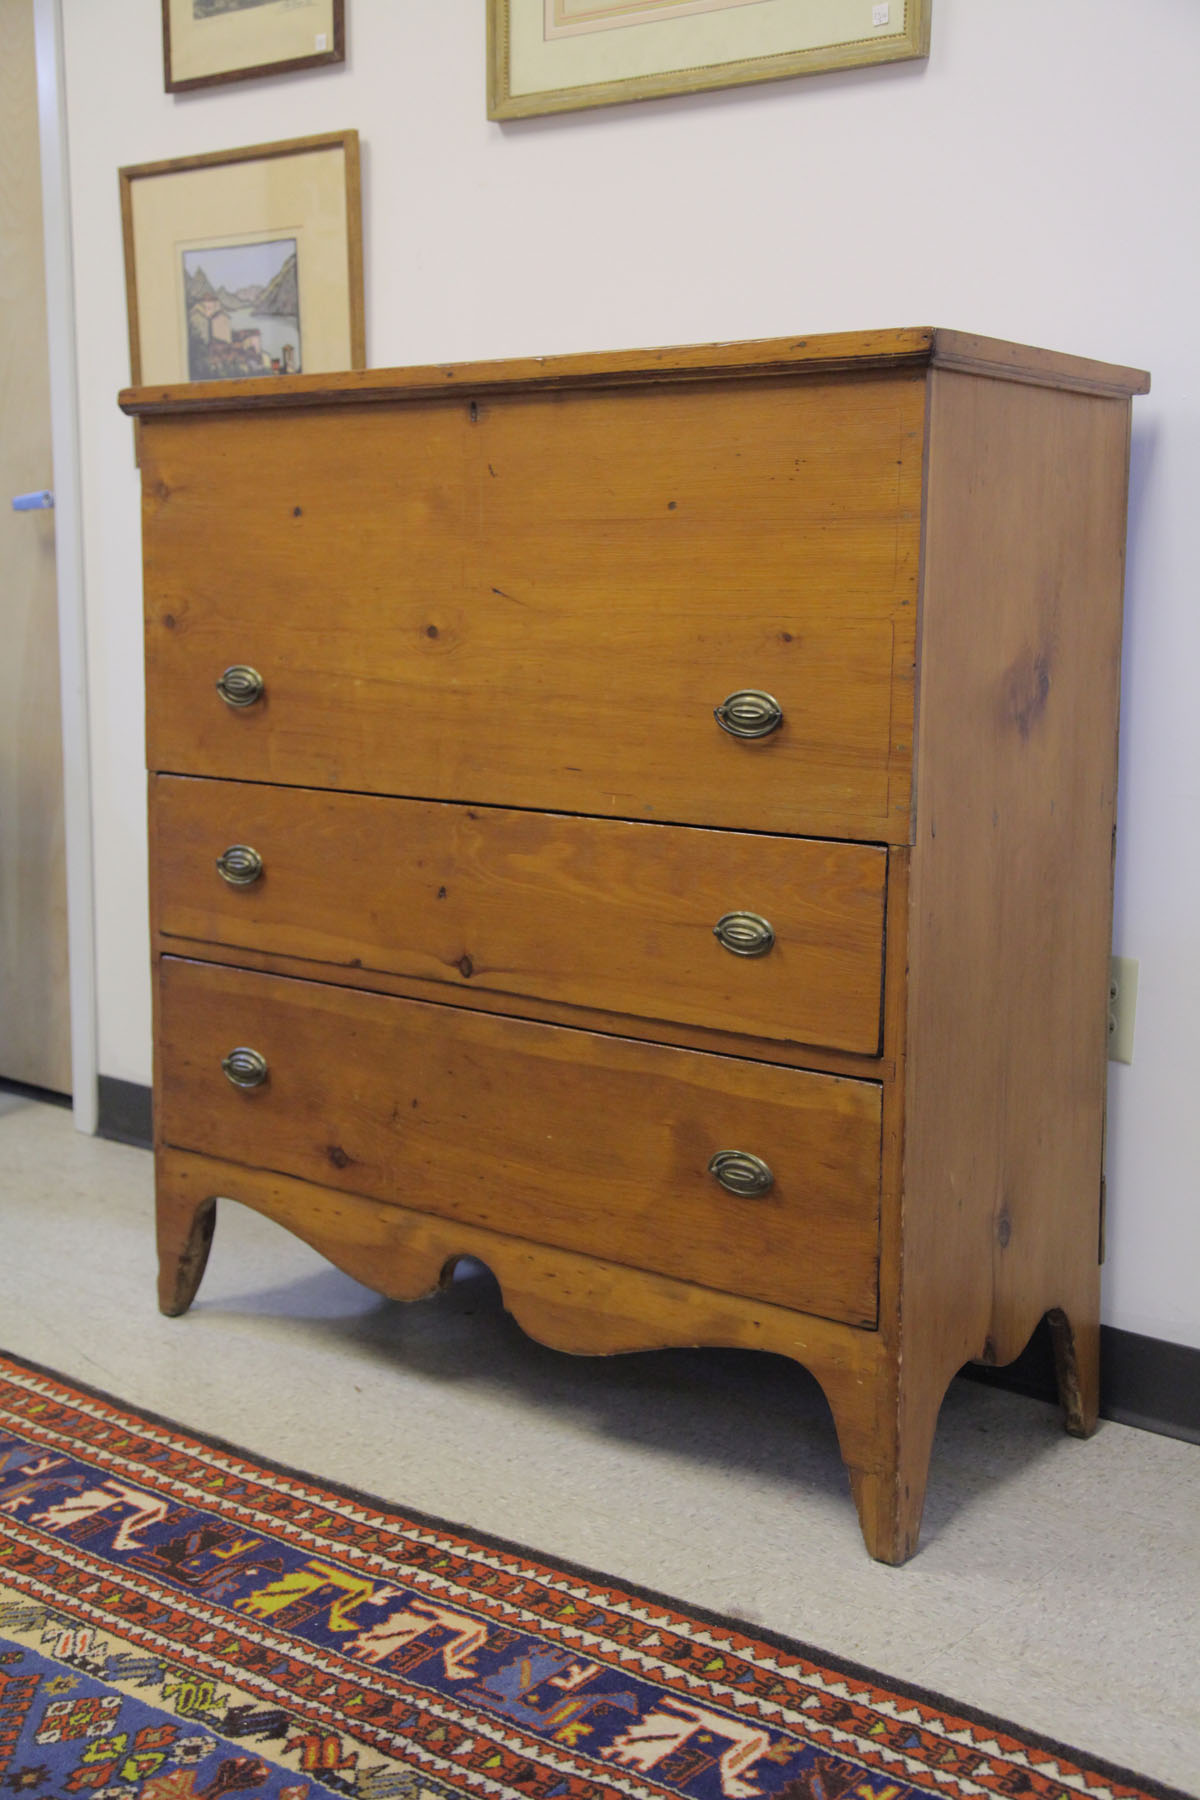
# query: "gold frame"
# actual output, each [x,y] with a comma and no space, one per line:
[197,197]
[251,36]
[695,74]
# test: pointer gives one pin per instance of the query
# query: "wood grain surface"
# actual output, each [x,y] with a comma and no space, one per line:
[825,353]
[591,912]
[541,602]
[1011,896]
[551,1012]
[591,1143]
[575,1303]
[495,607]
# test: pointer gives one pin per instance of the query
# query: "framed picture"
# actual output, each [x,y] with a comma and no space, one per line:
[207,41]
[558,55]
[245,262]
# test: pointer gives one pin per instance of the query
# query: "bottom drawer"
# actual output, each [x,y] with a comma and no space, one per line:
[591,1143]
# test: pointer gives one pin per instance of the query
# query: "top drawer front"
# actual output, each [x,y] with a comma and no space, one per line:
[539,601]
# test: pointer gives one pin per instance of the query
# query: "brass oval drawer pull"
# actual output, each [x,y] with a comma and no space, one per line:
[749,714]
[240,685]
[244,1067]
[744,933]
[239,865]
[741,1173]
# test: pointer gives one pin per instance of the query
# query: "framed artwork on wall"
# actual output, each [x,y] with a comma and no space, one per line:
[549,56]
[208,41]
[245,262]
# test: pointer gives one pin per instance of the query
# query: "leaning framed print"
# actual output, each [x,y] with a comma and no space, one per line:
[549,56]
[208,41]
[245,262]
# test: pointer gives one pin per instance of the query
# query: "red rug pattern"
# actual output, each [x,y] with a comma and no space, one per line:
[182,1621]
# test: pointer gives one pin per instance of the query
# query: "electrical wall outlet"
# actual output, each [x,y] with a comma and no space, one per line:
[1122,1004]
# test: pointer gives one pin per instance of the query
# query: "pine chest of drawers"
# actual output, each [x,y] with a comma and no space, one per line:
[645,821]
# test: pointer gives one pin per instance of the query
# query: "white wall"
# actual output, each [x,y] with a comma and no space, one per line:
[1035,180]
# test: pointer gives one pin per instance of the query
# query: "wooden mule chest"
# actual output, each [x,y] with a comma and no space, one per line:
[645,821]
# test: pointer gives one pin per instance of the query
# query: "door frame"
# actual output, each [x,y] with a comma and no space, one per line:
[68,540]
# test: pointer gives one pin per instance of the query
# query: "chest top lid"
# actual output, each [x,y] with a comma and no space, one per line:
[843,352]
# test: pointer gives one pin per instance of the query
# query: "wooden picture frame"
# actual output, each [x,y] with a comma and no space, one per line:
[210,41]
[547,56]
[245,262]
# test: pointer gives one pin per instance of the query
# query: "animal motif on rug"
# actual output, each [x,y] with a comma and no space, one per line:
[180,1622]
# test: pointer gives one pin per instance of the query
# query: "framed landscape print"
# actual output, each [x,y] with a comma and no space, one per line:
[245,262]
[207,41]
[558,55]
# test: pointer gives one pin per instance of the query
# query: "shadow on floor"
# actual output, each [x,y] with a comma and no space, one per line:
[750,1411]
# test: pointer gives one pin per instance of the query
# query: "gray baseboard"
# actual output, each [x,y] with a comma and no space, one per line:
[125,1112]
[26,1091]
[1148,1382]
[1143,1381]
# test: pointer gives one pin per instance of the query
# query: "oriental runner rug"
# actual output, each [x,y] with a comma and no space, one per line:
[183,1621]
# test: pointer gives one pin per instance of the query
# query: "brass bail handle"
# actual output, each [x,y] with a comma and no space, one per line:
[244,1067]
[749,714]
[240,865]
[240,685]
[744,933]
[739,1172]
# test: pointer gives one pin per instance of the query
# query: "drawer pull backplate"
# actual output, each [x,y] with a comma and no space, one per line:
[741,1173]
[239,865]
[749,714]
[245,1068]
[744,933]
[240,685]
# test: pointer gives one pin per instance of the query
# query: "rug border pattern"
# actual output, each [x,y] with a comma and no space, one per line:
[624,1598]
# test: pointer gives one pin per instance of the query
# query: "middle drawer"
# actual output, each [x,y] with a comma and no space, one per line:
[620,917]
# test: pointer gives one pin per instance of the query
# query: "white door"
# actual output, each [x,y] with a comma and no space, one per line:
[35,1045]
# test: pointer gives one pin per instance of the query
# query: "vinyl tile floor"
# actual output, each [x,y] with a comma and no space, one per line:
[1057,1584]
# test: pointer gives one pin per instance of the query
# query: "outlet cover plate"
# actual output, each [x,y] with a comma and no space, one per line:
[1122,1005]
